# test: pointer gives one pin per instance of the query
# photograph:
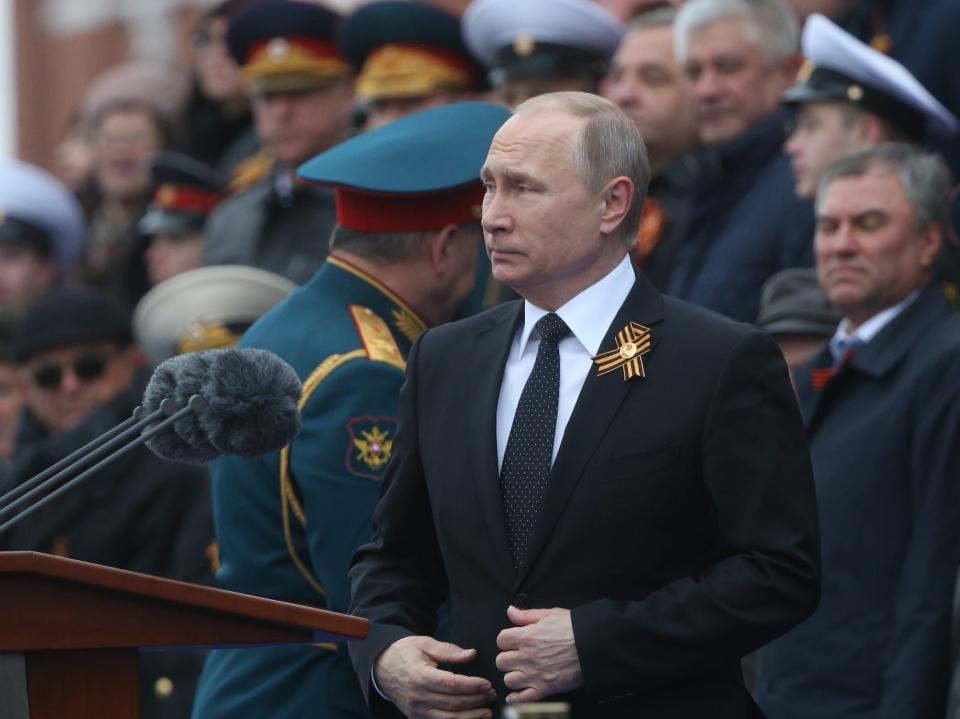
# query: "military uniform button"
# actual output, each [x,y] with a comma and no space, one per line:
[163,688]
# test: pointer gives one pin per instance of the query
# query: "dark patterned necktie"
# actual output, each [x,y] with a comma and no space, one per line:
[529,451]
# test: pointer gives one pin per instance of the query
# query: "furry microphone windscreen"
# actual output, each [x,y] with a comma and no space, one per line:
[252,398]
[179,378]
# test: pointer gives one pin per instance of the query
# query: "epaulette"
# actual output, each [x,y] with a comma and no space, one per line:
[378,341]
[379,345]
[250,172]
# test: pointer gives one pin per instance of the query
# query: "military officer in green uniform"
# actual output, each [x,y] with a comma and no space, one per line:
[403,257]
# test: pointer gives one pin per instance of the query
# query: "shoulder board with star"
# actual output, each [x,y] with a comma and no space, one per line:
[378,341]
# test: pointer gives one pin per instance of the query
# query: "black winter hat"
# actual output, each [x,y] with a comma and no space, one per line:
[70,316]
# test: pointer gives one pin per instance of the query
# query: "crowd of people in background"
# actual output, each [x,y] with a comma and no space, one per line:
[801,156]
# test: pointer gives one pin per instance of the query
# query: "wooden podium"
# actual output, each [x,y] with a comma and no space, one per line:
[69,632]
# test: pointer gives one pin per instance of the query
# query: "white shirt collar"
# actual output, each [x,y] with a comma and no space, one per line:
[590,313]
[871,328]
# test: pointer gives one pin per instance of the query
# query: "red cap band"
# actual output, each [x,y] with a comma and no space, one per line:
[368,212]
[185,199]
[309,46]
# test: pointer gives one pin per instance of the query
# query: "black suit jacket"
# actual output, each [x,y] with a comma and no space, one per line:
[679,524]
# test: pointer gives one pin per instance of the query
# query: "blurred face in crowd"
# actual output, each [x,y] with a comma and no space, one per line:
[217,73]
[825,131]
[647,83]
[74,157]
[543,227]
[295,126]
[870,254]
[64,385]
[124,138]
[734,85]
[516,90]
[169,255]
[11,400]
[25,275]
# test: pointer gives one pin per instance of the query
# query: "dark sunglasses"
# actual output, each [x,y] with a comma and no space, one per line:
[86,367]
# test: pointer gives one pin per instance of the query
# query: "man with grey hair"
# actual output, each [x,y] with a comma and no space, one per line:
[740,56]
[570,471]
[647,83]
[881,405]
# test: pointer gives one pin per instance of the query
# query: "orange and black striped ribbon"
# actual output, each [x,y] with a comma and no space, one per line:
[820,378]
[633,341]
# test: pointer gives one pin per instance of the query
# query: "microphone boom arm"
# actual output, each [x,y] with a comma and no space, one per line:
[106,442]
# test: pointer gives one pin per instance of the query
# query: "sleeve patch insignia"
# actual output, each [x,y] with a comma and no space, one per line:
[371,445]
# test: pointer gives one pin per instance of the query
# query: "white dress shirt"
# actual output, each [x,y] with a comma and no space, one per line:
[869,329]
[588,315]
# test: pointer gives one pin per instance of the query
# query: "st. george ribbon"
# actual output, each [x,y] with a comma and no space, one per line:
[196,407]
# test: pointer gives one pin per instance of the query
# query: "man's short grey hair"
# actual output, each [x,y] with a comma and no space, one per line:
[385,247]
[609,146]
[377,247]
[924,176]
[771,23]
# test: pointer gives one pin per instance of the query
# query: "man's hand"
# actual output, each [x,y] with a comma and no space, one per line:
[538,656]
[407,674]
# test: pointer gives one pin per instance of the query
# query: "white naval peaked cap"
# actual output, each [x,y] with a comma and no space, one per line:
[31,194]
[541,37]
[205,308]
[841,67]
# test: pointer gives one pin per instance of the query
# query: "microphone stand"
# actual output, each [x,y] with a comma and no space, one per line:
[113,438]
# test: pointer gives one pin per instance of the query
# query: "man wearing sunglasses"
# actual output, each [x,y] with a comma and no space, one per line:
[82,375]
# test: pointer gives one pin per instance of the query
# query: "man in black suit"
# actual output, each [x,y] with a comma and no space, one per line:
[610,487]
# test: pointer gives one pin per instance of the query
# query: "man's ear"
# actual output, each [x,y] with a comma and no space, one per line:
[932,241]
[617,198]
[438,246]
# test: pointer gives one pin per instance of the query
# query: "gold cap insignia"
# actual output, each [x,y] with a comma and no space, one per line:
[855,93]
[278,49]
[633,342]
[163,688]
[200,335]
[524,45]
[805,71]
[881,42]
[166,195]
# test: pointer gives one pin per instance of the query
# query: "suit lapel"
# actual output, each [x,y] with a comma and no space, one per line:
[599,400]
[485,379]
